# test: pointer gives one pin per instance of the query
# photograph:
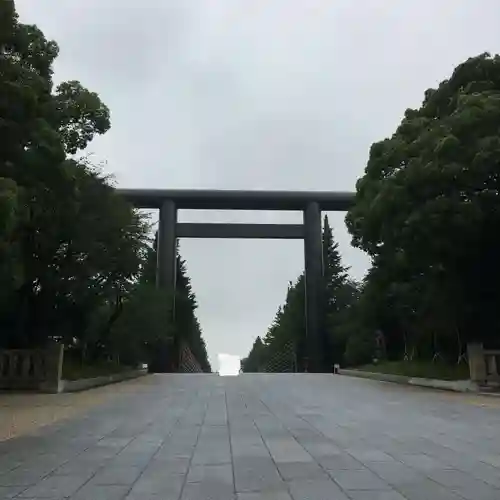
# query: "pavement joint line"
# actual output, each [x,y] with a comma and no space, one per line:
[184,482]
[45,476]
[117,453]
[59,407]
[228,420]
[268,450]
[301,421]
[361,463]
[314,459]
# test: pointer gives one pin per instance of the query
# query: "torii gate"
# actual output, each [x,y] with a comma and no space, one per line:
[311,203]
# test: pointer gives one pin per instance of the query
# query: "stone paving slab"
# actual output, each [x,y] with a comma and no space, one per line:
[262,437]
[22,413]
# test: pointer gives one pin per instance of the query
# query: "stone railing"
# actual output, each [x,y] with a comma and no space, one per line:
[32,369]
[484,364]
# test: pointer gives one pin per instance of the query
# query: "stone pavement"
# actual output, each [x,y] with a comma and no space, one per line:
[263,437]
[21,413]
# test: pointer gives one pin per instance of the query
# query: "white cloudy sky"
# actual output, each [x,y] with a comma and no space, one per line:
[254,94]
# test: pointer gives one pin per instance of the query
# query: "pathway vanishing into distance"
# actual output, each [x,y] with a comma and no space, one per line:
[263,437]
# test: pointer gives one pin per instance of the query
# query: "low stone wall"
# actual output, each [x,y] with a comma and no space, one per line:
[449,385]
[484,365]
[41,370]
[89,383]
[31,369]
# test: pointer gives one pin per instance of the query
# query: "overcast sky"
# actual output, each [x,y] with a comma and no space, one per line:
[254,94]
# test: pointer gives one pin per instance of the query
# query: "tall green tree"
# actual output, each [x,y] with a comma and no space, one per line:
[11,270]
[335,274]
[144,331]
[288,330]
[187,326]
[427,209]
[336,297]
[255,360]
[69,245]
[175,318]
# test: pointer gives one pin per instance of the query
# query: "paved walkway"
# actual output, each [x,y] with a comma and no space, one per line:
[22,413]
[263,437]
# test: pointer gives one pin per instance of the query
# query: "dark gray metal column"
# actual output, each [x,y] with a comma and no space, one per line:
[313,254]
[167,247]
[167,354]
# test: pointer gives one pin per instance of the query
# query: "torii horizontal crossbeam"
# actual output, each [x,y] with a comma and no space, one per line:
[257,231]
[204,199]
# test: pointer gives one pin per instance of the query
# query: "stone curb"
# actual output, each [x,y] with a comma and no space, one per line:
[447,385]
[89,383]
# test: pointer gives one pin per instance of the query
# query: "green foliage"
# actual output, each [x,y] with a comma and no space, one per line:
[74,368]
[187,326]
[427,212]
[165,326]
[289,326]
[255,360]
[335,274]
[339,294]
[75,259]
[11,271]
[359,349]
[80,115]
[422,368]
[144,326]
[70,269]
[71,250]
[343,323]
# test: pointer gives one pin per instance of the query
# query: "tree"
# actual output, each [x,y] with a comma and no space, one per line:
[335,274]
[180,326]
[75,260]
[427,209]
[288,330]
[70,246]
[187,326]
[254,362]
[336,297]
[144,331]
[28,129]
[342,323]
[11,269]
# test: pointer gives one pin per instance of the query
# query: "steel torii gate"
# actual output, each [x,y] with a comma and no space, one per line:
[311,203]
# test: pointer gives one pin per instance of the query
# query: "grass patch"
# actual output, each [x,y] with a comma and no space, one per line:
[423,369]
[74,370]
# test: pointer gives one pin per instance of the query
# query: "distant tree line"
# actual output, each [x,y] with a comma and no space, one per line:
[288,330]
[167,322]
[76,260]
[427,211]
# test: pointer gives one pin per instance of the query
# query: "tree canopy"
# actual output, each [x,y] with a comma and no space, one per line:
[427,208]
[426,211]
[77,262]
[75,257]
[284,347]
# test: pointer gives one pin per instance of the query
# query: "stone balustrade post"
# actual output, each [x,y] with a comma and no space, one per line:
[54,355]
[477,363]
